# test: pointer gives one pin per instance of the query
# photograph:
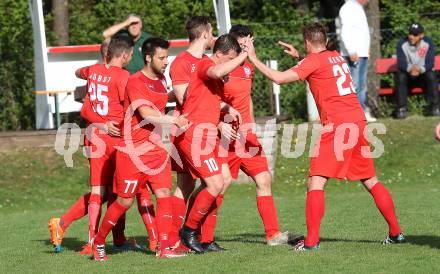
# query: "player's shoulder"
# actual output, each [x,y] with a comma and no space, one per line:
[134,79]
[95,67]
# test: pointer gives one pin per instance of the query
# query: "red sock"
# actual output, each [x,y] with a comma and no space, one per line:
[268,213]
[210,221]
[94,209]
[118,231]
[112,215]
[315,206]
[385,204]
[77,211]
[201,206]
[178,209]
[146,209]
[164,220]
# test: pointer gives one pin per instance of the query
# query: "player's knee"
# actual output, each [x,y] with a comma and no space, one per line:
[316,183]
[215,184]
[264,181]
[370,182]
[125,202]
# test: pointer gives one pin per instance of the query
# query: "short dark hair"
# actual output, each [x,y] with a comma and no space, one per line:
[315,33]
[196,25]
[225,43]
[241,31]
[104,48]
[151,44]
[119,45]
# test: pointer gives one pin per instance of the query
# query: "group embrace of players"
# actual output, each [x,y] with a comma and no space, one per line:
[211,139]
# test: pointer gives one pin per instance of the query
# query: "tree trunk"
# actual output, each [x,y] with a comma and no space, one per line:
[373,84]
[60,11]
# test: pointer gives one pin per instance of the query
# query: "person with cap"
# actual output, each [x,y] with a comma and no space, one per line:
[132,27]
[415,62]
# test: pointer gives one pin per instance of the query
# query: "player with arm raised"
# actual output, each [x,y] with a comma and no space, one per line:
[198,146]
[142,159]
[237,93]
[344,121]
[103,106]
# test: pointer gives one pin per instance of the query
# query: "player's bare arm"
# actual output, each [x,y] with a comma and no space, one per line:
[220,70]
[109,32]
[179,92]
[279,77]
[151,115]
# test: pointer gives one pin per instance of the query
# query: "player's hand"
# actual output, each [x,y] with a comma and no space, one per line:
[235,114]
[227,131]
[111,127]
[182,121]
[132,20]
[289,49]
[354,58]
[248,46]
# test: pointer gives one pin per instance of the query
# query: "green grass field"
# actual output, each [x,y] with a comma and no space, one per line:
[35,185]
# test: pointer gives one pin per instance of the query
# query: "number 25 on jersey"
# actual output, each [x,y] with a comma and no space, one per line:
[96,92]
[342,71]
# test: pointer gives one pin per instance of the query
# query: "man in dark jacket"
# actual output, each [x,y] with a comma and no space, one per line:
[415,60]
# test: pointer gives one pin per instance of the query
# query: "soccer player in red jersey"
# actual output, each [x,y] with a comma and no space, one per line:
[102,105]
[200,36]
[142,159]
[237,93]
[343,150]
[198,146]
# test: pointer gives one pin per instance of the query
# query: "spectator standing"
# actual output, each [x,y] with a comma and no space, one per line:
[355,47]
[132,27]
[415,61]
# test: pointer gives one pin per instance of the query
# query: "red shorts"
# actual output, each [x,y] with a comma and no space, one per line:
[152,170]
[198,150]
[251,162]
[102,168]
[343,152]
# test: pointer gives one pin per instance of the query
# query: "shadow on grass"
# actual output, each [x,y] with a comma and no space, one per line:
[432,241]
[349,240]
[253,238]
[74,244]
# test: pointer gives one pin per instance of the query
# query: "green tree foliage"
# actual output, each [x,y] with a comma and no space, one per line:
[270,20]
[16,66]
[88,18]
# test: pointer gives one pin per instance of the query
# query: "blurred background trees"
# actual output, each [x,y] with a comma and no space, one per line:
[82,22]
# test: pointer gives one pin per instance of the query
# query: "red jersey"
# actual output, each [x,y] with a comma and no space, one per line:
[330,82]
[106,89]
[202,102]
[183,67]
[237,90]
[154,94]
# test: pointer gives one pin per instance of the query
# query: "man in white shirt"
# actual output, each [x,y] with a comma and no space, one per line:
[355,46]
